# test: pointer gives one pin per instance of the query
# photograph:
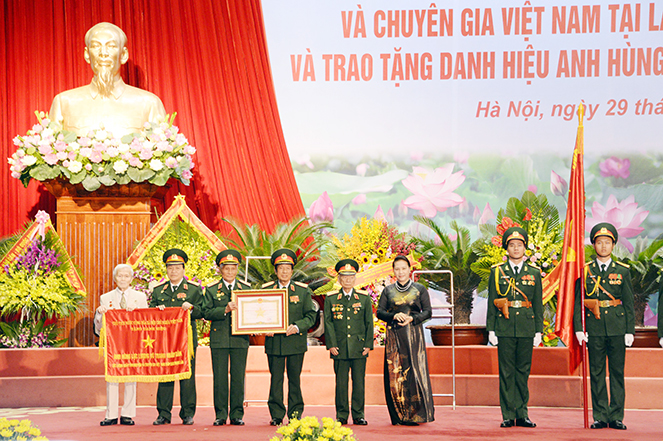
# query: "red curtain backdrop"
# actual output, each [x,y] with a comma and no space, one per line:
[206,60]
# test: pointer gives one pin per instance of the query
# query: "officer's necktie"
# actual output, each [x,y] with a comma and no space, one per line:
[123,302]
[515,271]
[603,265]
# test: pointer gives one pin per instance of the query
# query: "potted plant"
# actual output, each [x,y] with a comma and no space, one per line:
[457,256]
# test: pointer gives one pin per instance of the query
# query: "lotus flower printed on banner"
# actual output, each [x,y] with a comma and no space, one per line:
[626,216]
[433,190]
[558,186]
[613,166]
[322,209]
[156,154]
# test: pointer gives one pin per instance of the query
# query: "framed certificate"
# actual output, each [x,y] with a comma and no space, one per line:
[260,311]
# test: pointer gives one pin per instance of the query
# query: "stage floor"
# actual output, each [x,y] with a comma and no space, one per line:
[464,423]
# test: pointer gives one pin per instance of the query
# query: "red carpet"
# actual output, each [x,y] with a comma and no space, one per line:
[464,423]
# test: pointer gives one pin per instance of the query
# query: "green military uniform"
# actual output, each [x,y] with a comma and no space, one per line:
[349,327]
[613,289]
[164,294]
[515,334]
[226,346]
[287,352]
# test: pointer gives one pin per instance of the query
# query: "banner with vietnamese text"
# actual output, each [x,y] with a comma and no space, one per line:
[147,345]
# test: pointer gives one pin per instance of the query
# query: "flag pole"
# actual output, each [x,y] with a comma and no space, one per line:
[583,364]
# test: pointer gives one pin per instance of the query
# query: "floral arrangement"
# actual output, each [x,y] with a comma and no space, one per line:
[541,221]
[14,430]
[549,337]
[156,154]
[371,242]
[37,281]
[309,429]
[151,271]
[29,335]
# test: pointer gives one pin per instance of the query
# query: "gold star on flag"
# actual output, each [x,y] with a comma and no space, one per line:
[148,342]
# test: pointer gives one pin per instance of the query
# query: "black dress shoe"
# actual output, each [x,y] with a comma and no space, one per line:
[598,425]
[126,421]
[507,423]
[275,422]
[108,422]
[408,423]
[524,422]
[187,421]
[236,422]
[160,421]
[617,425]
[219,422]
[360,422]
[342,421]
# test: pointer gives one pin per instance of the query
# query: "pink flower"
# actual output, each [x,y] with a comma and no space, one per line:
[72,155]
[61,156]
[487,215]
[533,188]
[171,162]
[626,216]
[558,186]
[45,149]
[145,154]
[88,167]
[95,156]
[379,214]
[135,162]
[37,128]
[51,159]
[613,166]
[85,152]
[60,146]
[85,141]
[359,199]
[322,209]
[433,190]
[186,174]
[361,169]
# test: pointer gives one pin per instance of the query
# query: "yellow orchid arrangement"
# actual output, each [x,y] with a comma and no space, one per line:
[23,430]
[310,429]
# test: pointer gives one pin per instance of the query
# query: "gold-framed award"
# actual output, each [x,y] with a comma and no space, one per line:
[260,311]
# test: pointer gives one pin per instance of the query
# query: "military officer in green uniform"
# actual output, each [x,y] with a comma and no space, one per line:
[348,317]
[179,293]
[609,325]
[286,351]
[217,308]
[514,322]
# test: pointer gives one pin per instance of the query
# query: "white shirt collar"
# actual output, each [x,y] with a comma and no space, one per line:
[606,263]
[519,266]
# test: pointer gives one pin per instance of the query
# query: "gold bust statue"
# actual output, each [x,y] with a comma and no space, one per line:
[107,102]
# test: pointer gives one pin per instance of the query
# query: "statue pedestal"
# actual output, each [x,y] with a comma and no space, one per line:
[99,230]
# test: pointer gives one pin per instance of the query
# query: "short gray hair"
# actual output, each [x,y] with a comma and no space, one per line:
[120,267]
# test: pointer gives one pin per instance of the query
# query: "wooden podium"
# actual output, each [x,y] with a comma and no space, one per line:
[99,230]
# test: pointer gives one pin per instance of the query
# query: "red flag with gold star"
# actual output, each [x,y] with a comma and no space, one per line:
[573,251]
[147,345]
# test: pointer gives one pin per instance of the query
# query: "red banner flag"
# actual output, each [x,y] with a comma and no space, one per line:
[573,251]
[147,345]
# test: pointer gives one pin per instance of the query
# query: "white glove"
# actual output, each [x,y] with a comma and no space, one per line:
[660,342]
[537,339]
[628,339]
[492,338]
[581,336]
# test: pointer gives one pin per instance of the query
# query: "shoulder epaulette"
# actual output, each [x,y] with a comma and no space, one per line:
[160,285]
[214,284]
[303,285]
[361,291]
[333,293]
[244,283]
[532,265]
[625,265]
[191,282]
[498,264]
[265,285]
[588,263]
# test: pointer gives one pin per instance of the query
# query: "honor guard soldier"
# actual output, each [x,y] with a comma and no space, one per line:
[179,293]
[609,325]
[349,337]
[217,308]
[514,322]
[286,351]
